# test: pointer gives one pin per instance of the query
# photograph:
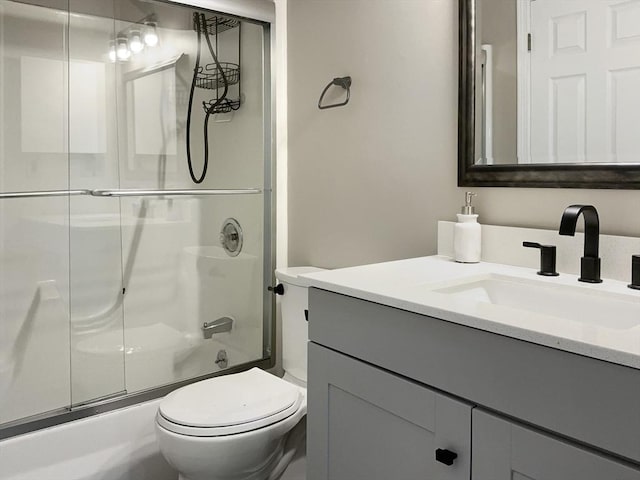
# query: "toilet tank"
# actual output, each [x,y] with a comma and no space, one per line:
[295,332]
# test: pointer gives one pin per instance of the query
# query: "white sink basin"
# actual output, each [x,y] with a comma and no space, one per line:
[579,304]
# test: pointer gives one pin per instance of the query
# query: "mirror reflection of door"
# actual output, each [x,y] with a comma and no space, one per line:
[583,64]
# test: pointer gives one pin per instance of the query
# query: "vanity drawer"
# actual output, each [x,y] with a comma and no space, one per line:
[588,400]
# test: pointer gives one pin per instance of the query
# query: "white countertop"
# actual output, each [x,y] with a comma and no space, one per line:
[407,284]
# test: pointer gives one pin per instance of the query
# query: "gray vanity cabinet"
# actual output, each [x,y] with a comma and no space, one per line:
[503,450]
[368,424]
[387,388]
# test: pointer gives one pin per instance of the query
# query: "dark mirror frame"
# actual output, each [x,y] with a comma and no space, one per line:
[592,175]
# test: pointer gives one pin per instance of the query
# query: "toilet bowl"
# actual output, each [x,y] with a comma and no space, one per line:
[243,426]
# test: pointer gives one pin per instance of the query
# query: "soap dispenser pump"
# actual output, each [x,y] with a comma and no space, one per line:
[467,239]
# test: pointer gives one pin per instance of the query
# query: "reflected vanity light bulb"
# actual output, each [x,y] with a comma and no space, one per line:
[135,42]
[150,34]
[112,51]
[123,52]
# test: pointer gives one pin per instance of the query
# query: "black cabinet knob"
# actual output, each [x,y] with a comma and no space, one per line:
[278,289]
[446,456]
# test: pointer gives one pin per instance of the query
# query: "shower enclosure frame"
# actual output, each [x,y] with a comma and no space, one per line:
[265,17]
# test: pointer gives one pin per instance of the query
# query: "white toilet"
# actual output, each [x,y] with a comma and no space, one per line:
[241,426]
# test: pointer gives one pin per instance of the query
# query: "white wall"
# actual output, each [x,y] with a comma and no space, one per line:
[367,182]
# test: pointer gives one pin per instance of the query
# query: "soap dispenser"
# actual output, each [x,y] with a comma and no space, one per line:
[467,239]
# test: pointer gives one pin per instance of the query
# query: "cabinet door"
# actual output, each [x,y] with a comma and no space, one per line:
[364,423]
[507,451]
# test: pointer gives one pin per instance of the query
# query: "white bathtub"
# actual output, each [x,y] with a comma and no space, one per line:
[118,445]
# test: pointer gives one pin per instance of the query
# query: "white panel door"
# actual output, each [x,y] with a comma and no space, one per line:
[585,74]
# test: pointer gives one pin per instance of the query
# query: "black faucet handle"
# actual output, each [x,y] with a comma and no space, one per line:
[536,245]
[635,272]
[547,258]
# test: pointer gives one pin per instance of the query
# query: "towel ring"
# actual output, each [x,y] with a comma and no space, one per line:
[344,82]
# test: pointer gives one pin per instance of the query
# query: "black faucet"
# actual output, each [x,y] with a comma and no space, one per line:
[590,262]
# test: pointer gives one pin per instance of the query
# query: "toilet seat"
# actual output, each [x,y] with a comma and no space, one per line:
[229,404]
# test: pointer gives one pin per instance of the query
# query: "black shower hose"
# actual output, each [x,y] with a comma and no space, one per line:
[200,21]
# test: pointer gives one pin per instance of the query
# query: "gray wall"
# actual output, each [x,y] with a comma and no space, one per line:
[367,182]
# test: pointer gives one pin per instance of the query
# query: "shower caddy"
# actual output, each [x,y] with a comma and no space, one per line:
[216,76]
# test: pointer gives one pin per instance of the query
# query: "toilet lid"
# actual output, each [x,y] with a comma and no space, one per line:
[237,399]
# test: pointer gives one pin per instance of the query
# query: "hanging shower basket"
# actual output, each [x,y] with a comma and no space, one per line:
[211,78]
[216,24]
[215,76]
[222,106]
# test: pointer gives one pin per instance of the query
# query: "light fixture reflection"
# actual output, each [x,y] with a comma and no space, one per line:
[122,50]
[150,34]
[112,51]
[135,42]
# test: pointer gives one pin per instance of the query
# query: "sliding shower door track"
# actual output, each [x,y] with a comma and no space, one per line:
[112,402]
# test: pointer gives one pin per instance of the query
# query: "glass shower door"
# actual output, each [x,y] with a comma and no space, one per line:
[34,221]
[178,276]
[122,272]
[95,223]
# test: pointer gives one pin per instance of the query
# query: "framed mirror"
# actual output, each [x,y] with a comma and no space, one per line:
[549,93]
